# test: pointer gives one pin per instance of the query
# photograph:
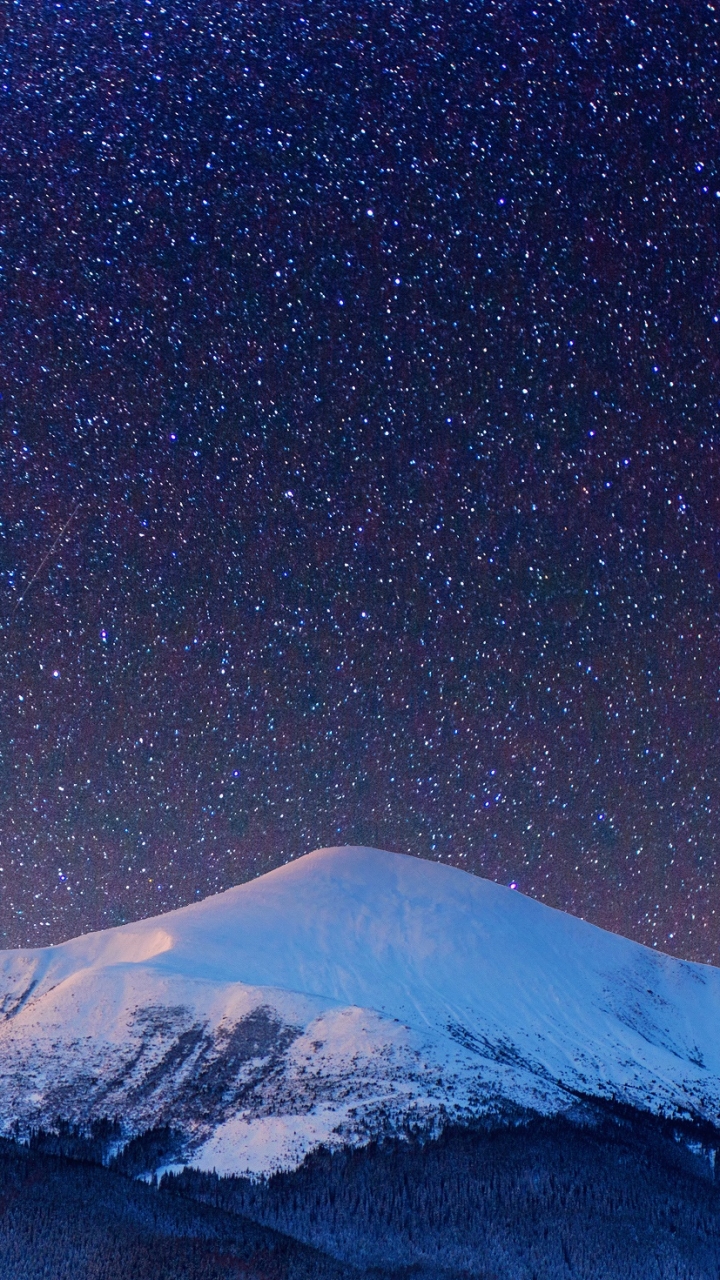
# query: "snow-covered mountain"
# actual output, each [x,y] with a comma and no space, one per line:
[349,993]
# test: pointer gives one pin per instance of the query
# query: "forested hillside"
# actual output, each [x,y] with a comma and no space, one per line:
[627,1199]
[623,1198]
[63,1219]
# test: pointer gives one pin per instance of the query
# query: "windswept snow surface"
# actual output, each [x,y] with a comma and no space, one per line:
[350,993]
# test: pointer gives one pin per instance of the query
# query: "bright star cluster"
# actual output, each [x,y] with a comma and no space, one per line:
[360,451]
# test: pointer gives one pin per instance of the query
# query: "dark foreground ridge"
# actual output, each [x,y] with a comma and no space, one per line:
[622,1197]
[65,1219]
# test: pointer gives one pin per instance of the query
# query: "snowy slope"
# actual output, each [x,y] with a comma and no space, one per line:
[347,993]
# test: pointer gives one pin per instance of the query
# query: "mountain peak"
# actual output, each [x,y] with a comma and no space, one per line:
[349,990]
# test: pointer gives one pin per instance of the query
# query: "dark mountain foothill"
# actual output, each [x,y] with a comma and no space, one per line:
[616,1196]
[621,1196]
[69,1219]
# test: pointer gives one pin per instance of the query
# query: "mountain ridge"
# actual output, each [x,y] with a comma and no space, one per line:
[348,994]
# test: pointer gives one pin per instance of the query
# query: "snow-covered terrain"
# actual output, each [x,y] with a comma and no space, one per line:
[349,993]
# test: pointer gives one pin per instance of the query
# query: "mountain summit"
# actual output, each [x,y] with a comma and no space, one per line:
[349,994]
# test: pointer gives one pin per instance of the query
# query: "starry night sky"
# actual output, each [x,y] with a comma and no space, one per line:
[360,451]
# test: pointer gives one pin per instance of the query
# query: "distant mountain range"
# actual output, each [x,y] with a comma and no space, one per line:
[351,995]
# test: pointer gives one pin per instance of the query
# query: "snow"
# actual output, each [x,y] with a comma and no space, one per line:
[257,1146]
[389,989]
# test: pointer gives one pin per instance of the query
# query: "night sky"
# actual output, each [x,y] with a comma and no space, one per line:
[360,451]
